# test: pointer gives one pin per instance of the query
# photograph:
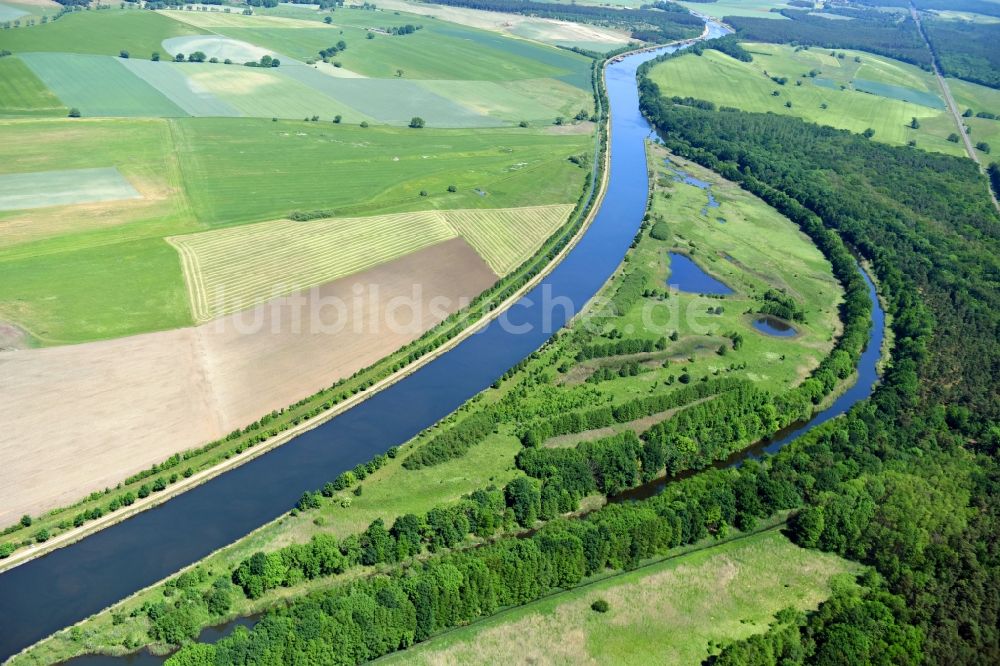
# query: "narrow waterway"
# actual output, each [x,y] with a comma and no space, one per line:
[71,583]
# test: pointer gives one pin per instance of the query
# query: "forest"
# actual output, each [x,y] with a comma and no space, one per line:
[884,34]
[911,482]
[966,50]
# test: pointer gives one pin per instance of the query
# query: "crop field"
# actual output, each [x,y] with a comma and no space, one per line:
[58,188]
[672,612]
[368,170]
[99,85]
[101,33]
[722,8]
[264,93]
[171,80]
[538,101]
[438,51]
[838,84]
[238,267]
[505,238]
[23,94]
[102,270]
[76,273]
[979,98]
[391,101]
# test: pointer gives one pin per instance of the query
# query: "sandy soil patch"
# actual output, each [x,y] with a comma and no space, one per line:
[40,223]
[55,188]
[215,46]
[81,418]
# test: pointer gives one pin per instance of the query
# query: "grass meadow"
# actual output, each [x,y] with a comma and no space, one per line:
[674,612]
[23,94]
[99,33]
[979,98]
[352,171]
[746,86]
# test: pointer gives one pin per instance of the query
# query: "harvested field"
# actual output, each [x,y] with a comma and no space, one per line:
[507,237]
[235,268]
[80,418]
[58,188]
[9,12]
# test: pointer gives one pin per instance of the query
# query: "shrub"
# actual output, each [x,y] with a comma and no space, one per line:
[600,605]
[416,122]
[74,112]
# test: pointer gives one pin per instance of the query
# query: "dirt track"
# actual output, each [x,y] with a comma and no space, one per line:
[83,417]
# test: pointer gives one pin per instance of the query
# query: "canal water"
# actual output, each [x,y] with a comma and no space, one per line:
[71,583]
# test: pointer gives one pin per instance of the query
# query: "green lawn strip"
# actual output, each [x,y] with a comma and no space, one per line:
[676,611]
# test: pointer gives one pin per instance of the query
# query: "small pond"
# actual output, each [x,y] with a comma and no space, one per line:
[687,276]
[773,326]
[686,178]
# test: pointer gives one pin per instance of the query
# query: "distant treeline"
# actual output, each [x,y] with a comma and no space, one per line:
[891,35]
[667,22]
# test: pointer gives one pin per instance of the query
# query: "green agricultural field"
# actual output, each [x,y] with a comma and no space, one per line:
[673,612]
[370,170]
[100,85]
[23,94]
[267,93]
[102,270]
[538,101]
[722,8]
[76,273]
[438,51]
[979,98]
[837,83]
[175,81]
[104,33]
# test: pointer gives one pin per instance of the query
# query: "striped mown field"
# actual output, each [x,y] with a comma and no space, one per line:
[506,237]
[232,269]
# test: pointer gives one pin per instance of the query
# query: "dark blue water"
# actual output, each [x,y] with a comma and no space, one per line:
[686,178]
[867,378]
[773,326]
[687,276]
[61,588]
